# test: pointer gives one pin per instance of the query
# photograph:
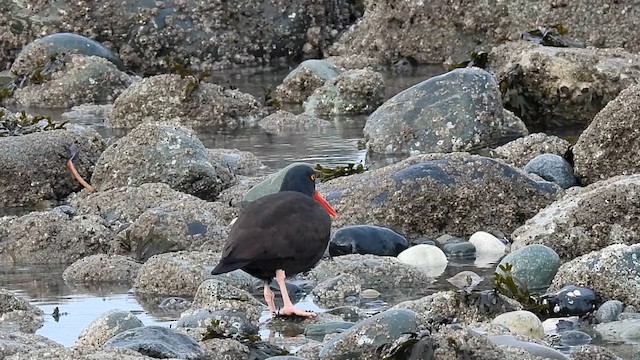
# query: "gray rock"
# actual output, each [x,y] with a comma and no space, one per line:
[513,128]
[76,80]
[161,153]
[522,322]
[18,315]
[356,61]
[285,122]
[586,219]
[17,342]
[533,265]
[552,168]
[126,204]
[609,311]
[609,146]
[335,290]
[52,237]
[320,330]
[534,349]
[62,353]
[285,357]
[590,352]
[41,50]
[187,101]
[106,326]
[215,295]
[352,92]
[225,349]
[226,322]
[270,185]
[191,224]
[459,194]
[574,338]
[363,339]
[611,272]
[102,268]
[87,113]
[304,79]
[238,162]
[158,342]
[373,271]
[462,249]
[234,194]
[520,151]
[367,239]
[624,330]
[456,111]
[37,157]
[562,86]
[466,308]
[175,274]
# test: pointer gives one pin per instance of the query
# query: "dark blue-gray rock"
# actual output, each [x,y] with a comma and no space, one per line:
[161,153]
[463,249]
[610,272]
[270,185]
[304,79]
[554,168]
[607,147]
[609,311]
[318,331]
[41,50]
[184,100]
[37,157]
[586,219]
[367,239]
[458,111]
[352,92]
[445,239]
[74,80]
[458,194]
[574,338]
[225,322]
[534,266]
[570,300]
[363,339]
[158,342]
[106,326]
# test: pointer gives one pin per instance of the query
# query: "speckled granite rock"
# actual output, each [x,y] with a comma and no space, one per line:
[18,315]
[610,145]
[243,163]
[304,79]
[520,151]
[285,122]
[102,268]
[183,100]
[106,326]
[17,342]
[586,219]
[215,294]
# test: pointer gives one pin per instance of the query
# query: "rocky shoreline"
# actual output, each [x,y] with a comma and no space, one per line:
[557,217]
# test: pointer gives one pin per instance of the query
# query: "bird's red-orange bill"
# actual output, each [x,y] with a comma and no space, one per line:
[324,204]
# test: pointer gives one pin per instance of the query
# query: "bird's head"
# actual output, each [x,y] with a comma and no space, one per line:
[302,178]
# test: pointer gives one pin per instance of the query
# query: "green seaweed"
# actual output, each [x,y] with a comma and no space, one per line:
[551,36]
[269,99]
[476,59]
[193,78]
[509,286]
[326,173]
[516,97]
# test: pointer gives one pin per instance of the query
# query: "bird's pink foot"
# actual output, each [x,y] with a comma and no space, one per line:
[290,310]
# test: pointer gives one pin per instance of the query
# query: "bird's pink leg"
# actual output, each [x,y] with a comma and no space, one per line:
[269,296]
[288,308]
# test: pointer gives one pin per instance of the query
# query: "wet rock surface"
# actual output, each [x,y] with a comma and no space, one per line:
[161,153]
[185,100]
[40,158]
[611,272]
[52,237]
[586,219]
[496,196]
[18,315]
[107,326]
[367,239]
[74,80]
[609,145]
[102,268]
[286,122]
[421,119]
[158,342]
[304,79]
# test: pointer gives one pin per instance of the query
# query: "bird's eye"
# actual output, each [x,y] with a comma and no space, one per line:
[313,177]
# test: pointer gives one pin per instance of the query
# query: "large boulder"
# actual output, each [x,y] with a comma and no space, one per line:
[431,32]
[184,99]
[610,145]
[106,326]
[161,153]
[52,237]
[304,79]
[151,37]
[74,80]
[82,353]
[16,342]
[158,342]
[32,167]
[586,219]
[457,111]
[102,268]
[17,315]
[436,194]
[611,272]
[551,86]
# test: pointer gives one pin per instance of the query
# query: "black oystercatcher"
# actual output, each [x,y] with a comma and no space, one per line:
[281,234]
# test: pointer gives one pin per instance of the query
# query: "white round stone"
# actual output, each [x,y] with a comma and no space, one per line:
[486,243]
[428,257]
[521,322]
